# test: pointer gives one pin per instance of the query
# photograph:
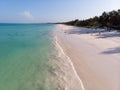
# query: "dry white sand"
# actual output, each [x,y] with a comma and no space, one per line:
[95,56]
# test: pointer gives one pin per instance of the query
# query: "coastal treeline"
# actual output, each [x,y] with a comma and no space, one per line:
[108,20]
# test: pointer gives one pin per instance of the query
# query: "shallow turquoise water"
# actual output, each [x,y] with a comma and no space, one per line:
[26,51]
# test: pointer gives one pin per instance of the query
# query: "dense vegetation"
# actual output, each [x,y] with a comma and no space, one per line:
[108,20]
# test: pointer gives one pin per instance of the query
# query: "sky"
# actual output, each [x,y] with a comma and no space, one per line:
[42,11]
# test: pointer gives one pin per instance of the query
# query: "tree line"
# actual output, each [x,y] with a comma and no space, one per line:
[108,20]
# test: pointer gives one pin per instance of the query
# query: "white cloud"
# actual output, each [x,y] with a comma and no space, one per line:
[27,15]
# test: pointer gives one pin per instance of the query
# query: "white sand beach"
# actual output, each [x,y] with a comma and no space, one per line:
[95,54]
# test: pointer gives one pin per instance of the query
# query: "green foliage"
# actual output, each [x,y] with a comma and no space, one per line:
[109,20]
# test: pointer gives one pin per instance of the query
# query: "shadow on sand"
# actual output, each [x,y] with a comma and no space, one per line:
[85,31]
[109,35]
[112,51]
[99,33]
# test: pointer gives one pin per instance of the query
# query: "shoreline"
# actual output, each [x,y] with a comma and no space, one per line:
[92,76]
[69,60]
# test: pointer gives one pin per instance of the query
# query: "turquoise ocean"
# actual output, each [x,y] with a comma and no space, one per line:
[26,56]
